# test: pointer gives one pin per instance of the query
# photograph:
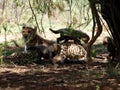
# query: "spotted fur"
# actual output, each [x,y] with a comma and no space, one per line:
[73,51]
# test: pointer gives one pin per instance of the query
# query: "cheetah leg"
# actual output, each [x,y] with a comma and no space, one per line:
[25,49]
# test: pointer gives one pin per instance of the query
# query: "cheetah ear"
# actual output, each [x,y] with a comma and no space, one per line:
[23,27]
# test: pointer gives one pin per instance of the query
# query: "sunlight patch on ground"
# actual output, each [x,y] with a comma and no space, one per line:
[20,69]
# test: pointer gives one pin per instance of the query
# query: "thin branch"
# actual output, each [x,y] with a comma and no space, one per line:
[99,31]
[94,24]
[105,26]
[34,15]
[3,7]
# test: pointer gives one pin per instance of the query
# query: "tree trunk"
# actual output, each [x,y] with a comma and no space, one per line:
[111,13]
[98,32]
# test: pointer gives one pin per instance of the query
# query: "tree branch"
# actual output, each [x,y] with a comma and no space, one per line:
[34,15]
[98,32]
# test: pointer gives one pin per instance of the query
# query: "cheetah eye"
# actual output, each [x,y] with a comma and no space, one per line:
[29,31]
[23,31]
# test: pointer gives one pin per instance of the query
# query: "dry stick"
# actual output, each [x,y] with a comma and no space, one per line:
[105,27]
[34,15]
[3,7]
[16,44]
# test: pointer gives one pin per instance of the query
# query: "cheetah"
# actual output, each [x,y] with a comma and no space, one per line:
[109,44]
[71,34]
[31,38]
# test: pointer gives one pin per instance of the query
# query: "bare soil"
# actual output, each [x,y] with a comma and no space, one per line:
[67,76]
[70,76]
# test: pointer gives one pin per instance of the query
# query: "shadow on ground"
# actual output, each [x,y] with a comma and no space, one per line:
[69,76]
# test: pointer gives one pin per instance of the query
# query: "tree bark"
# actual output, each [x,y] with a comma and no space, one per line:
[111,14]
[96,20]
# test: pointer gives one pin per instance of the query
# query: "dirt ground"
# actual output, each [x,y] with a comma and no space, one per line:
[67,76]
[72,75]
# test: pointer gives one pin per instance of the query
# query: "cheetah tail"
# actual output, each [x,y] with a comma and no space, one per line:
[56,32]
